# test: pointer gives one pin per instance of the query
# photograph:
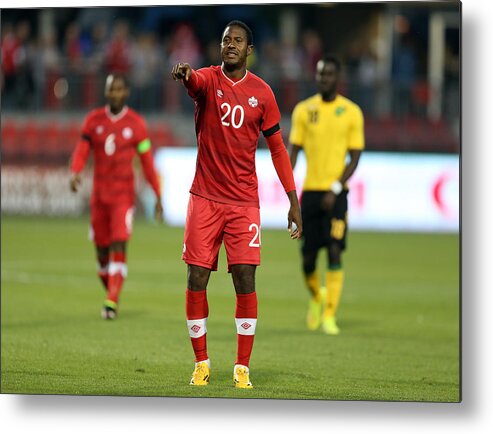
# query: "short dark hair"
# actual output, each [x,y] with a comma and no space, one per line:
[332,58]
[244,27]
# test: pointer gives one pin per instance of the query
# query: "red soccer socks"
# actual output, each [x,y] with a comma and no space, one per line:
[197,310]
[117,272]
[246,322]
[103,262]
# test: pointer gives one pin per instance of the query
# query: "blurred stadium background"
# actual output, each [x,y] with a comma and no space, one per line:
[401,66]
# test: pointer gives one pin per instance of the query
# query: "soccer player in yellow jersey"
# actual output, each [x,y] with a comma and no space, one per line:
[328,128]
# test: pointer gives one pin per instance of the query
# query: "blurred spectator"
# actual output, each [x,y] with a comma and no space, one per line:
[118,56]
[403,77]
[147,72]
[97,45]
[351,67]
[72,51]
[10,56]
[47,67]
[269,68]
[367,80]
[18,84]
[291,61]
[72,47]
[312,52]
[94,62]
[183,46]
[451,100]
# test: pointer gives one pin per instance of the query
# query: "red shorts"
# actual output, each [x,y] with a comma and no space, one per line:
[209,223]
[110,223]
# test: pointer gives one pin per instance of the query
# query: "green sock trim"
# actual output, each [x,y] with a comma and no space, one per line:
[110,303]
[335,267]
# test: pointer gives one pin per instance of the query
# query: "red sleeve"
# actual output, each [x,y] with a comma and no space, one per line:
[272,115]
[196,83]
[79,156]
[141,130]
[83,147]
[150,174]
[281,161]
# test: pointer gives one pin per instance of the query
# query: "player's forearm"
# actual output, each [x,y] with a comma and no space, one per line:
[293,198]
[281,161]
[348,172]
[80,156]
[350,167]
[150,174]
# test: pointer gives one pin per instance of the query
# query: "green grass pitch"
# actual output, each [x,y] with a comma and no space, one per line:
[399,319]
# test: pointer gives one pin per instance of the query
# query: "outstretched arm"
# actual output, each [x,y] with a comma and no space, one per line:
[77,163]
[282,164]
[193,80]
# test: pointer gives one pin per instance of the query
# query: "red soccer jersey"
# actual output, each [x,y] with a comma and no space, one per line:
[229,117]
[114,140]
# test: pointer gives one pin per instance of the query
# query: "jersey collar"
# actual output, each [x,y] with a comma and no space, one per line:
[328,102]
[117,117]
[233,83]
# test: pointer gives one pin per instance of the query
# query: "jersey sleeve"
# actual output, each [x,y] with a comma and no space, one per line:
[272,115]
[298,126]
[198,82]
[87,128]
[356,138]
[142,140]
[82,149]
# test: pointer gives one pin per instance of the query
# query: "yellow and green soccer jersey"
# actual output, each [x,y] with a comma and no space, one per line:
[326,131]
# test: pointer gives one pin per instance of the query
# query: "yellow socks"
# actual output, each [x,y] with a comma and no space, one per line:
[334,281]
[313,283]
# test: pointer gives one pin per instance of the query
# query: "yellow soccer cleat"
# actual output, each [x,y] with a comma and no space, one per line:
[241,377]
[329,326]
[201,374]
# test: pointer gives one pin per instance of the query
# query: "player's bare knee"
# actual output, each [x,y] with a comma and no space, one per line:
[309,262]
[118,246]
[197,277]
[243,278]
[102,251]
[334,254]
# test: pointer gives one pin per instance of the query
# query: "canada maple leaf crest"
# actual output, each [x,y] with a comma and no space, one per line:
[253,101]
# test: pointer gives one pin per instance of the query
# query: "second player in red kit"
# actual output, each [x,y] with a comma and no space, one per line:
[232,107]
[115,134]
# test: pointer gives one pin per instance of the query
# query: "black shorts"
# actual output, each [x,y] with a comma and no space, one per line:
[321,228]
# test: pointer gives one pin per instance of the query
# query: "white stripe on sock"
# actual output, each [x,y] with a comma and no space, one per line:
[197,327]
[246,326]
[117,267]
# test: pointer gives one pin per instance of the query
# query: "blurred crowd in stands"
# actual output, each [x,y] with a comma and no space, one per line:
[62,67]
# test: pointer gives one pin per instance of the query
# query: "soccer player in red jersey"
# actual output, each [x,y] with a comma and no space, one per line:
[114,133]
[232,107]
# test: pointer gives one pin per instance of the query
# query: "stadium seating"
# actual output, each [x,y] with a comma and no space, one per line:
[51,142]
